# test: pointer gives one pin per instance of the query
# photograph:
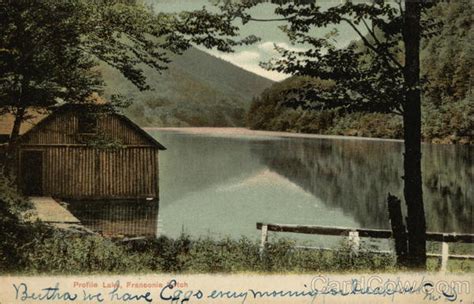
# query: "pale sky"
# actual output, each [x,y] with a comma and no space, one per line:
[249,57]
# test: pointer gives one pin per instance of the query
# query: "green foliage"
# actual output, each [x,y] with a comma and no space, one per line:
[167,254]
[447,109]
[12,230]
[447,57]
[100,141]
[64,253]
[40,58]
[450,122]
[445,65]
[56,252]
[368,78]
[12,203]
[269,112]
[207,255]
[368,125]
[226,255]
[364,77]
[36,248]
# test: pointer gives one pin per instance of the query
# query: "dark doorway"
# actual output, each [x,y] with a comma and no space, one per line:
[32,172]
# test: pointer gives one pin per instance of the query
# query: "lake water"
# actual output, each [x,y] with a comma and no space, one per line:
[223,185]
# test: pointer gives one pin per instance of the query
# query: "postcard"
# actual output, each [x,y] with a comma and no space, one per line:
[236,151]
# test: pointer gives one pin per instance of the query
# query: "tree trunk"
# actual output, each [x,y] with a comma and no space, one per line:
[16,125]
[11,151]
[399,233]
[412,135]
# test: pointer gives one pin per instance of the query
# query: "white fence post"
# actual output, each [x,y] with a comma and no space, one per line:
[264,238]
[354,241]
[444,257]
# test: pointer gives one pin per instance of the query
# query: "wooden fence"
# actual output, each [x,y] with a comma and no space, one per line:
[355,234]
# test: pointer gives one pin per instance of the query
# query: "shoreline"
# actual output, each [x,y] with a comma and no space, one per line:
[239,131]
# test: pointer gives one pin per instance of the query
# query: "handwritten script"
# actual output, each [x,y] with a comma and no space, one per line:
[319,288]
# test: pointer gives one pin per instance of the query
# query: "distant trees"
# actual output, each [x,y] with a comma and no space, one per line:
[447,57]
[270,110]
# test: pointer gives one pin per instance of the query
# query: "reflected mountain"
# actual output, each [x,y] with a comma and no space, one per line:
[356,175]
[195,163]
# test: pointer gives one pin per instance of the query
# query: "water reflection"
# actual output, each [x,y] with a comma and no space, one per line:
[224,185]
[356,176]
[118,218]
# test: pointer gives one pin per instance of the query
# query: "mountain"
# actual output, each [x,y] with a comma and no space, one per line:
[197,89]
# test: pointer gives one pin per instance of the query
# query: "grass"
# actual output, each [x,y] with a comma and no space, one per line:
[57,252]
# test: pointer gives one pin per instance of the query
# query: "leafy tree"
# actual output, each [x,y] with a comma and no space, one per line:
[383,76]
[447,109]
[49,49]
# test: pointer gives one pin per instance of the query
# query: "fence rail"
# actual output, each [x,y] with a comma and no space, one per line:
[355,234]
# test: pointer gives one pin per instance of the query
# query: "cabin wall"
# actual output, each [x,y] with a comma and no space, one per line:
[82,172]
[63,129]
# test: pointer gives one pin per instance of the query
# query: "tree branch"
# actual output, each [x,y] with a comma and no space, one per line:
[379,44]
[367,43]
[364,39]
[399,2]
[266,20]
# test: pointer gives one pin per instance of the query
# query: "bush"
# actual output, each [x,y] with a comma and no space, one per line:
[63,253]
[12,230]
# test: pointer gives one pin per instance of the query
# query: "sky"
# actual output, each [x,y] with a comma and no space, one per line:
[249,57]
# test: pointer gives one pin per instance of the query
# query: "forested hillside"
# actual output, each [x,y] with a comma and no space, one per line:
[447,60]
[448,106]
[196,90]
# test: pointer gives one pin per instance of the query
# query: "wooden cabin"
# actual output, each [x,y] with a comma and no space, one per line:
[82,152]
